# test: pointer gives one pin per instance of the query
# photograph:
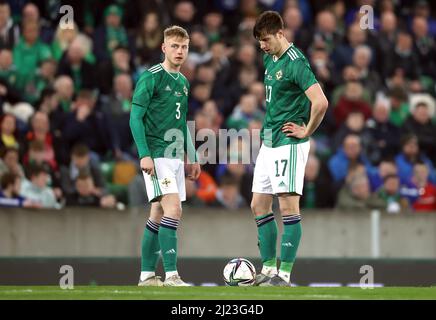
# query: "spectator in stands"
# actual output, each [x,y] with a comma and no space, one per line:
[369,78]
[9,31]
[389,193]
[87,195]
[199,51]
[349,155]
[74,65]
[378,174]
[343,54]
[422,9]
[325,33]
[62,39]
[8,72]
[420,124]
[44,78]
[383,137]
[410,155]
[228,195]
[424,45]
[148,40]
[40,131]
[110,35]
[8,130]
[118,109]
[399,105]
[403,62]
[356,195]
[120,63]
[323,68]
[293,21]
[36,155]
[9,162]
[258,89]
[210,110]
[317,192]
[244,112]
[36,188]
[386,39]
[81,161]
[354,124]
[183,14]
[214,28]
[425,190]
[351,100]
[28,54]
[10,193]
[64,87]
[92,126]
[31,14]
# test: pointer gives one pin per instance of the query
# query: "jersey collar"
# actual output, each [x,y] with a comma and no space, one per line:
[275,58]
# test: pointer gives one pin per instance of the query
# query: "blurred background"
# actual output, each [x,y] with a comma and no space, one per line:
[71,190]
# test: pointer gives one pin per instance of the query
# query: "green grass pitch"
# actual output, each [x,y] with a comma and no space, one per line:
[213,293]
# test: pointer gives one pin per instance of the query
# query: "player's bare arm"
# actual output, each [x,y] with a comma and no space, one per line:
[319,104]
[194,170]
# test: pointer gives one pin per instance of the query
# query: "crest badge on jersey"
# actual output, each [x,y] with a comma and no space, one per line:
[185,90]
[279,74]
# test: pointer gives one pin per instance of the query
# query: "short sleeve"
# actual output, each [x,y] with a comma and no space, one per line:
[144,90]
[301,74]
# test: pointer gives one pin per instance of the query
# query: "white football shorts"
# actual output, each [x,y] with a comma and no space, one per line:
[281,169]
[169,178]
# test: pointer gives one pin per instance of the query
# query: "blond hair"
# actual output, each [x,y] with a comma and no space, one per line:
[176,31]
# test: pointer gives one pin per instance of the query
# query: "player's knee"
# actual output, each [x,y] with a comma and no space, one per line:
[257,208]
[289,209]
[174,211]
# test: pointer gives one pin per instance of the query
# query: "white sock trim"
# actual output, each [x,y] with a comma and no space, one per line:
[170,274]
[146,274]
[269,271]
[285,275]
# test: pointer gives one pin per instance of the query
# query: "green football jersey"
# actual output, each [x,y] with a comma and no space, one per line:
[286,80]
[159,104]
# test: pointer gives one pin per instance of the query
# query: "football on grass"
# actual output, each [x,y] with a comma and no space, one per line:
[239,272]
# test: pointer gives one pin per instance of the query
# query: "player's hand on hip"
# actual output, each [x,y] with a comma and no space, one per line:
[195,171]
[147,165]
[294,130]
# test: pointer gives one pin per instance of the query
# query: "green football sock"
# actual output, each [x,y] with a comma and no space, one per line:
[289,245]
[168,243]
[150,247]
[267,239]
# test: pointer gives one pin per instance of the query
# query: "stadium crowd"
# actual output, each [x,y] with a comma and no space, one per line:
[65,97]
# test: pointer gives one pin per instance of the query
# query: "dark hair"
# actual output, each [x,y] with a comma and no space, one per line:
[407,138]
[269,22]
[80,150]
[7,179]
[5,150]
[35,170]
